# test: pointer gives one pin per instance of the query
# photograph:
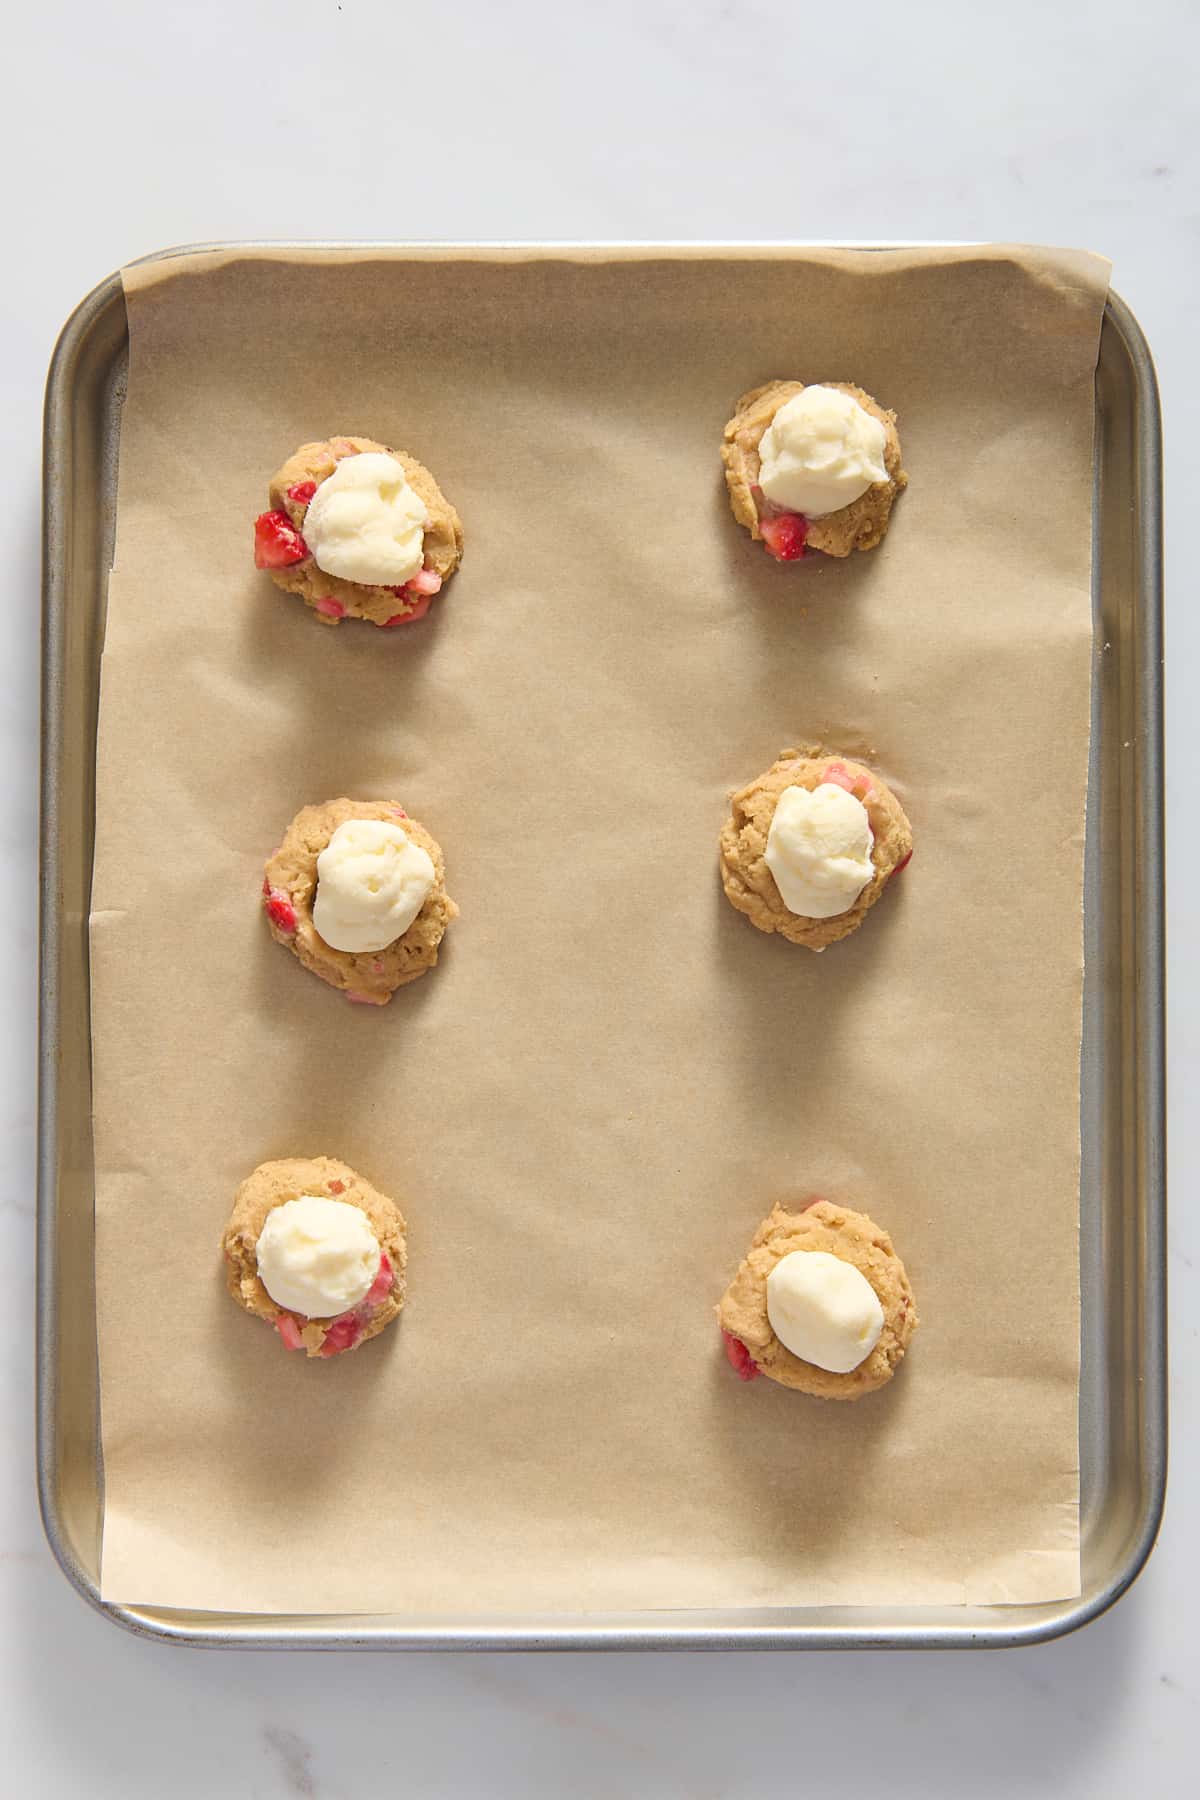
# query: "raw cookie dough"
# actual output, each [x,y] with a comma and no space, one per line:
[273,1183]
[289,888]
[859,526]
[331,598]
[748,882]
[750,1343]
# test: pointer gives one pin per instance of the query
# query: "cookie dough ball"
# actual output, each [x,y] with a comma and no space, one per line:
[822,1303]
[357,890]
[359,531]
[809,847]
[317,1252]
[812,468]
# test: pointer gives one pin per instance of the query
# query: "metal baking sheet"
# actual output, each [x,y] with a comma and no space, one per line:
[1122,1400]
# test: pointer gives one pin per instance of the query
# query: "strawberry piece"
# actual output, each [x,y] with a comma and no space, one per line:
[839,775]
[277,543]
[740,1359]
[381,1287]
[425,581]
[280,910]
[903,863]
[333,609]
[288,1328]
[399,812]
[337,1187]
[361,999]
[784,535]
[417,611]
[342,1334]
[302,492]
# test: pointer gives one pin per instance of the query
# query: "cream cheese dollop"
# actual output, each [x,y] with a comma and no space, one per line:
[819,850]
[821,451]
[317,1257]
[366,524]
[372,881]
[823,1310]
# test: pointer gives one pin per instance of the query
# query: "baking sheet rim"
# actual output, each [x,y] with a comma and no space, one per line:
[901,1627]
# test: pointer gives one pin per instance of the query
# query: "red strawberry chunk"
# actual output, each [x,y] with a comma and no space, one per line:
[280,910]
[903,863]
[342,1334]
[784,535]
[337,1187]
[740,1359]
[302,492]
[333,609]
[381,1287]
[288,1328]
[277,543]
[417,611]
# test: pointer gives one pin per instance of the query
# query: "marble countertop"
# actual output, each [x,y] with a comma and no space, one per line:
[752,119]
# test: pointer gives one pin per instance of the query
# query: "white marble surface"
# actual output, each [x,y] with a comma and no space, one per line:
[1041,120]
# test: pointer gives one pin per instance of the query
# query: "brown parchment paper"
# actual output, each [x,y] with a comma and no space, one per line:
[586,1109]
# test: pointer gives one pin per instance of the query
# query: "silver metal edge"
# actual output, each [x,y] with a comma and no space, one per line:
[642,1633]
[56,477]
[1149,936]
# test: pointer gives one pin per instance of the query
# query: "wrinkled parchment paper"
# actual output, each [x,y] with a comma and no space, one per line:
[586,1109]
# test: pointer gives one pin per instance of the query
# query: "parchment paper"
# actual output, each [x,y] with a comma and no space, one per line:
[586,1109]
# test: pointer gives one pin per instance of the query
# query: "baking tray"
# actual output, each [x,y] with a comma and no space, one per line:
[1122,1396]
